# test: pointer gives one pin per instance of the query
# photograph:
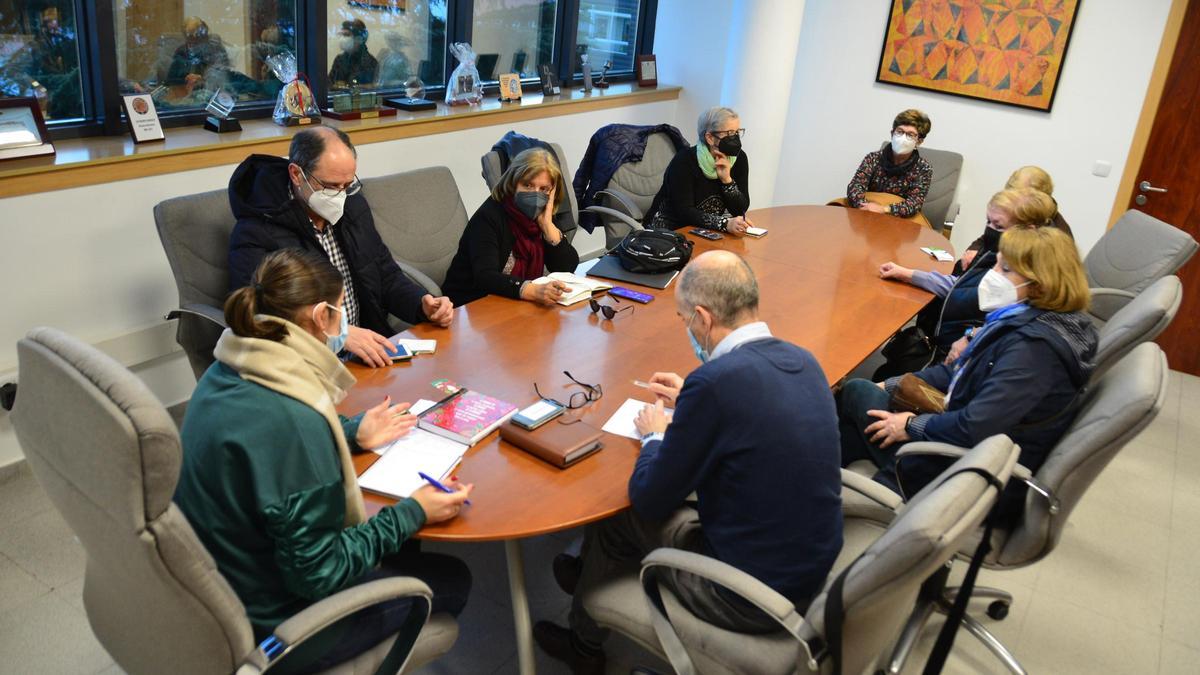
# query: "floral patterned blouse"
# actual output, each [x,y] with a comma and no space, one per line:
[909,181]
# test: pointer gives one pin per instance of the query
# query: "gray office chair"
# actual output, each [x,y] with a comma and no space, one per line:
[1115,409]
[1137,251]
[1143,319]
[941,203]
[420,216]
[194,231]
[623,203]
[153,594]
[879,591]
[493,169]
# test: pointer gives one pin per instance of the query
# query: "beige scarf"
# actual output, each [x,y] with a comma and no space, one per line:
[303,368]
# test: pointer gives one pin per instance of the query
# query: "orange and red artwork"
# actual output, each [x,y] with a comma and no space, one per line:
[1008,51]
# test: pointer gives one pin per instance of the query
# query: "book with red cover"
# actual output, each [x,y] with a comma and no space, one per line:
[467,417]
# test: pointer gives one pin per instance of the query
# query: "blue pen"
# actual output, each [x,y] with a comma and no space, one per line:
[438,485]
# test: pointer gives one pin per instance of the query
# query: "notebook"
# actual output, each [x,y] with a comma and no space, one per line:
[417,346]
[609,267]
[395,474]
[467,417]
[559,444]
[581,287]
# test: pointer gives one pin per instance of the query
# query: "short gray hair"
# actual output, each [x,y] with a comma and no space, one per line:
[308,146]
[729,291]
[712,119]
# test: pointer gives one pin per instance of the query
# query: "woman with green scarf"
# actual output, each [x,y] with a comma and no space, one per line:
[706,185]
[267,480]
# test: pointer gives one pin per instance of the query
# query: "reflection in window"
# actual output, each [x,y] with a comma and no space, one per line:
[382,43]
[513,36]
[607,32]
[39,56]
[181,53]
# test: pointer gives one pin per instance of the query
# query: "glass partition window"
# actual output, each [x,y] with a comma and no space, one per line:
[39,57]
[513,36]
[182,51]
[607,32]
[380,44]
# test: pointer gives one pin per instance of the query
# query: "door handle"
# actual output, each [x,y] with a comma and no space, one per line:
[1145,186]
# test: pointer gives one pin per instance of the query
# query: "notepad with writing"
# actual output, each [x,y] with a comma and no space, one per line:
[395,474]
[468,417]
[559,444]
[581,288]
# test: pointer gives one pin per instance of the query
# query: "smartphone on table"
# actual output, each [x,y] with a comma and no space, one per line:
[538,414]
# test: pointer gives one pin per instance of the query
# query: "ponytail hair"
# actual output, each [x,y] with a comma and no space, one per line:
[285,282]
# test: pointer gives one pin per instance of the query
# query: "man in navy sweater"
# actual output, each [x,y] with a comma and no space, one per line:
[755,437]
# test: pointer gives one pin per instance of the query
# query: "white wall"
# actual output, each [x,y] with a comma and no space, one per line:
[838,113]
[690,42]
[88,260]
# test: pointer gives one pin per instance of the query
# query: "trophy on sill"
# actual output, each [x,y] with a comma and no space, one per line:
[603,82]
[219,108]
[354,103]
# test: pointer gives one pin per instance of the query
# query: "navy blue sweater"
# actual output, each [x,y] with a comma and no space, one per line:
[755,436]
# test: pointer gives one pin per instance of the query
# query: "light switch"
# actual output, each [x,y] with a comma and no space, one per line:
[1101,168]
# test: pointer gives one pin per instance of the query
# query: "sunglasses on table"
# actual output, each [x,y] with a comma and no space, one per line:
[591,392]
[608,311]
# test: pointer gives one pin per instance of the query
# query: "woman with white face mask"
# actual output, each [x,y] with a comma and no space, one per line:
[267,480]
[897,169]
[1020,375]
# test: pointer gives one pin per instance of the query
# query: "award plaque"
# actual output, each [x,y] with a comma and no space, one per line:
[550,84]
[219,107]
[142,117]
[22,129]
[647,70]
[298,105]
[510,87]
[603,82]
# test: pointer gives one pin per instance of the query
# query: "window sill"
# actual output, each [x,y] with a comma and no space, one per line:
[95,160]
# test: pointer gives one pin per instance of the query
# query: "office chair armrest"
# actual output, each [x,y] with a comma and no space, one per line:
[607,213]
[746,586]
[1026,476]
[624,200]
[862,497]
[318,616]
[1108,301]
[930,449]
[419,278]
[201,310]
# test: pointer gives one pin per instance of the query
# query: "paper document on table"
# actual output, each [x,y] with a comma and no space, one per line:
[396,473]
[621,422]
[418,346]
[417,408]
[756,231]
[941,255]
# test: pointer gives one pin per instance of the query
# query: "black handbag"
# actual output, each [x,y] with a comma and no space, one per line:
[653,251]
[908,351]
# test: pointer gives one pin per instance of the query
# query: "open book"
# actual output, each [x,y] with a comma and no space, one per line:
[396,473]
[581,287]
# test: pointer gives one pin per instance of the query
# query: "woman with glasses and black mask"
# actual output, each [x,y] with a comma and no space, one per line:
[515,237]
[707,185]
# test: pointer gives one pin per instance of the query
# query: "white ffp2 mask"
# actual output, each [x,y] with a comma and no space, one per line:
[996,291]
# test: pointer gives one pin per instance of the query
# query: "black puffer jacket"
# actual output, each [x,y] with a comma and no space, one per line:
[269,219]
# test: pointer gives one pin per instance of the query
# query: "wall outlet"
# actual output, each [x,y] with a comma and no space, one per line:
[1101,168]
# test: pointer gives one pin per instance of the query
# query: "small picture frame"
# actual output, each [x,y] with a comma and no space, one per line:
[647,70]
[550,83]
[23,130]
[510,87]
[144,126]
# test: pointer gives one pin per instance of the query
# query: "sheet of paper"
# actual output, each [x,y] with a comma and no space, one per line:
[418,346]
[417,408]
[395,473]
[621,422]
[941,255]
[756,231]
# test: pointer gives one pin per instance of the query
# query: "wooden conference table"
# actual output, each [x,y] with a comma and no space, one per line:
[818,274]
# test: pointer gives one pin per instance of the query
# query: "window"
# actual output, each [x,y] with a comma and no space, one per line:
[513,36]
[607,31]
[183,52]
[382,43]
[39,56]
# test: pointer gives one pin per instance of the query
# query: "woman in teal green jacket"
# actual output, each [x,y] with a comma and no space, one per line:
[267,479]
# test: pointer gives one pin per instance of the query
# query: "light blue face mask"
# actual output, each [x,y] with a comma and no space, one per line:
[336,342]
[701,352]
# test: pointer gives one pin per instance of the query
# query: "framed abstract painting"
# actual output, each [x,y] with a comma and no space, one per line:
[1006,51]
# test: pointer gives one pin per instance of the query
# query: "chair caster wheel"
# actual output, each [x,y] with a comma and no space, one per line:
[998,610]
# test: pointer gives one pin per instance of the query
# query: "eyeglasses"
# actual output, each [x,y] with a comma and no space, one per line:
[608,311]
[592,392]
[724,134]
[911,135]
[332,190]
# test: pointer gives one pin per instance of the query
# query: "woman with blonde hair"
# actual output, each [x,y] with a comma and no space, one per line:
[1021,373]
[955,312]
[514,237]
[1025,177]
[267,480]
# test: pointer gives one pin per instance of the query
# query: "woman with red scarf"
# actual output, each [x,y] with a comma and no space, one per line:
[515,237]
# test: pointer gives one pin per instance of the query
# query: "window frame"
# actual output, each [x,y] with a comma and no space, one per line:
[99,79]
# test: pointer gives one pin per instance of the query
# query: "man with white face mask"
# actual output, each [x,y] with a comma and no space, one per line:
[353,64]
[312,201]
[897,169]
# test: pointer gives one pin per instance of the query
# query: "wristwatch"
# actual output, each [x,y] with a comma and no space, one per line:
[970,333]
[907,424]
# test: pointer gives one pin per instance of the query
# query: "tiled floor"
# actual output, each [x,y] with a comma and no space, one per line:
[1121,594]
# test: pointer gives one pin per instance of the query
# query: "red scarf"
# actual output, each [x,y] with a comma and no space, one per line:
[528,251]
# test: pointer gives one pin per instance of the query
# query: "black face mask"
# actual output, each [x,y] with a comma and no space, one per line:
[531,203]
[991,238]
[730,145]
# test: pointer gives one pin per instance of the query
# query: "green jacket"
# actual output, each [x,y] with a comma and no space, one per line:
[262,486]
